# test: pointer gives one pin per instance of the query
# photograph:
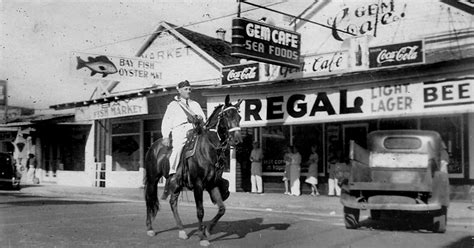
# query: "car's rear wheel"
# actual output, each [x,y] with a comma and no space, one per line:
[440,220]
[375,214]
[351,217]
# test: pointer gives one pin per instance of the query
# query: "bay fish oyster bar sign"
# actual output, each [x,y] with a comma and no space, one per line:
[266,43]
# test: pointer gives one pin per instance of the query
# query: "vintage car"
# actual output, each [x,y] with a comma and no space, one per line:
[401,170]
[9,178]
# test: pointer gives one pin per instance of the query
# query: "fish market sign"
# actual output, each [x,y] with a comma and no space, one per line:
[114,67]
[396,54]
[262,42]
[129,107]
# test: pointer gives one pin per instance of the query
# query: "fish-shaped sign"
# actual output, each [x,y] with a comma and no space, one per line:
[100,64]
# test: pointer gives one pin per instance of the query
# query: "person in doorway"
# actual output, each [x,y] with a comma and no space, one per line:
[179,117]
[31,164]
[312,178]
[333,183]
[295,167]
[256,157]
[444,158]
[286,173]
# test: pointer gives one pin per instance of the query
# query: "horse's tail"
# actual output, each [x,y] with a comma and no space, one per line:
[152,174]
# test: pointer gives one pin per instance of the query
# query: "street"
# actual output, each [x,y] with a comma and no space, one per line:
[51,221]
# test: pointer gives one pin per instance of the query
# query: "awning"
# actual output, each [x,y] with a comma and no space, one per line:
[37,119]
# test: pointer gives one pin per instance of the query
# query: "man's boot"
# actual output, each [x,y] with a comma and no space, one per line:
[166,191]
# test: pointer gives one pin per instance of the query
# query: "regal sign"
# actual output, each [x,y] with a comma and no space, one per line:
[240,73]
[262,42]
[396,54]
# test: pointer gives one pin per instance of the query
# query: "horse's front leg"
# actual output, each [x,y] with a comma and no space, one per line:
[175,190]
[216,195]
[198,190]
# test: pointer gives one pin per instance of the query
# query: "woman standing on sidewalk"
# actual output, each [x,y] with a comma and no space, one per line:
[312,177]
[295,167]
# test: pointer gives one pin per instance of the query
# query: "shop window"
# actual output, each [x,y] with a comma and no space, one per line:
[304,137]
[126,146]
[152,132]
[451,131]
[275,140]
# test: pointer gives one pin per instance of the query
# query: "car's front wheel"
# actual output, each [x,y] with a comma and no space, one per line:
[351,217]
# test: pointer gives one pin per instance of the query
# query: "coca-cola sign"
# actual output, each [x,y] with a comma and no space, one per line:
[396,54]
[240,73]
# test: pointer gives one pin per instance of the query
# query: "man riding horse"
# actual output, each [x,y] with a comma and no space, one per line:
[178,120]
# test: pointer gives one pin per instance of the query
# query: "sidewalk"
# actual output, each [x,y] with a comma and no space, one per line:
[304,204]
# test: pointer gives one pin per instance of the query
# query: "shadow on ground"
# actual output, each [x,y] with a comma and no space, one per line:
[397,221]
[466,242]
[27,200]
[228,230]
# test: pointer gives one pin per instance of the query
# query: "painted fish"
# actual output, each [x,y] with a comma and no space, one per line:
[100,64]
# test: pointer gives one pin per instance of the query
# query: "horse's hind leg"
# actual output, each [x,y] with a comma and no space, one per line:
[152,205]
[216,195]
[200,215]
[175,190]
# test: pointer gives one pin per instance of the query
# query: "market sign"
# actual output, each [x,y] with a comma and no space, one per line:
[122,108]
[266,43]
[407,53]
[115,68]
[355,103]
[240,73]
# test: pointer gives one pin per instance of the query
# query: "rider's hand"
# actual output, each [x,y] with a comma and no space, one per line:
[166,142]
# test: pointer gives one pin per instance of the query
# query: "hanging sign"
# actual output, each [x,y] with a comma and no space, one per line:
[129,107]
[266,43]
[240,73]
[115,68]
[397,54]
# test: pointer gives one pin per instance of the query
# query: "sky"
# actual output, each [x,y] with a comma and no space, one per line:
[38,38]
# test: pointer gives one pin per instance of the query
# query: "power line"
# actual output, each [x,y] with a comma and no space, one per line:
[295,17]
[182,26]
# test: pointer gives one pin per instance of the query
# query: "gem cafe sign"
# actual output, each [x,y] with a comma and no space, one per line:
[266,43]
[129,107]
[240,73]
[396,54]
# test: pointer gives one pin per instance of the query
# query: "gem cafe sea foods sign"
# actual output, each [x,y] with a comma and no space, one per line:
[396,54]
[266,43]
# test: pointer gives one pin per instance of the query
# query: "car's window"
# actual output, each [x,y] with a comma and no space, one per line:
[402,143]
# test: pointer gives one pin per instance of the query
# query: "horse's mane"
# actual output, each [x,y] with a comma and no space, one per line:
[212,120]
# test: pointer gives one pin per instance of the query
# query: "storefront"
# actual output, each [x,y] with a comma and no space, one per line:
[403,75]
[125,116]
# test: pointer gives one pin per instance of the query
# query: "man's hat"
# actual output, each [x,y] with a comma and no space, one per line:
[184,83]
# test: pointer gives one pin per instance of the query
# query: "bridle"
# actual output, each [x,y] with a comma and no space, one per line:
[220,116]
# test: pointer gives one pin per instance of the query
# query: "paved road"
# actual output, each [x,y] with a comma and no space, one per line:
[42,221]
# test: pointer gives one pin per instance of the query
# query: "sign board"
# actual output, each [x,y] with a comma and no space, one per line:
[240,73]
[355,103]
[129,107]
[266,43]
[114,68]
[406,53]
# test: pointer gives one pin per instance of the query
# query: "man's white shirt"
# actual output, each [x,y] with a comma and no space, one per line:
[175,115]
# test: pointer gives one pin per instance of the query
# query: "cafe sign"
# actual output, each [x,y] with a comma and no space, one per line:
[115,109]
[240,73]
[397,54]
[266,43]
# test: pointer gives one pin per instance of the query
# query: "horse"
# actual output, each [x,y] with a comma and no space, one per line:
[199,172]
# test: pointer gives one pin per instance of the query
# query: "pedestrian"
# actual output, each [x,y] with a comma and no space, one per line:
[312,178]
[444,158]
[256,157]
[286,173]
[31,164]
[295,167]
[178,119]
[333,183]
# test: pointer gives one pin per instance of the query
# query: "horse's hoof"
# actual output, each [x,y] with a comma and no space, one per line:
[204,242]
[182,235]
[150,233]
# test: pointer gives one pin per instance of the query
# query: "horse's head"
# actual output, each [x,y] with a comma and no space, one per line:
[228,123]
